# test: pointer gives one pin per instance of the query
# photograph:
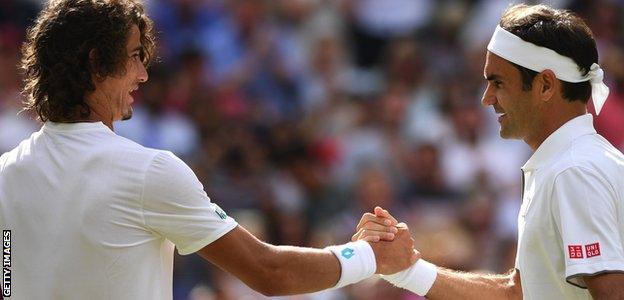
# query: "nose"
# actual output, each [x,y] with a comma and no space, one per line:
[142,74]
[488,97]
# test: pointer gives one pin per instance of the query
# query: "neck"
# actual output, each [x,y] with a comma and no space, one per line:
[97,117]
[553,119]
[99,111]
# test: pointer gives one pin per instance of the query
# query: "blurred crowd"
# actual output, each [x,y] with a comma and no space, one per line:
[300,115]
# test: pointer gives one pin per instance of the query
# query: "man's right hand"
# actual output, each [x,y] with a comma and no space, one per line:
[397,255]
[392,243]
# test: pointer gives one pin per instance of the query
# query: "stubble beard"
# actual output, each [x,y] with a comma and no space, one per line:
[510,133]
[506,130]
[127,115]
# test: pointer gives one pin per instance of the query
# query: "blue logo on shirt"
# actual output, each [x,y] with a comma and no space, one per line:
[347,253]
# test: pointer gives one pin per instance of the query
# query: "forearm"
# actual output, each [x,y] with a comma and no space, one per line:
[354,261]
[426,279]
[451,284]
[295,270]
[285,270]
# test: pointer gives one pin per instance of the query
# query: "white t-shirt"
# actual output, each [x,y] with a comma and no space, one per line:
[96,216]
[571,223]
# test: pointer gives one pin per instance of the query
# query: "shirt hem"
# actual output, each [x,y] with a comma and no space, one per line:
[194,247]
[575,274]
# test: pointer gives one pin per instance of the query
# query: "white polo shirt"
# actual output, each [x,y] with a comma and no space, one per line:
[571,223]
[96,216]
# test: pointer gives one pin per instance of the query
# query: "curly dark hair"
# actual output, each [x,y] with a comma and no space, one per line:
[559,30]
[73,41]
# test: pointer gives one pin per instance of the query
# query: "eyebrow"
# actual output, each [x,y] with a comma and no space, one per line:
[493,77]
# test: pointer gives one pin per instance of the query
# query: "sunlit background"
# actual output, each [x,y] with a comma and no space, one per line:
[299,115]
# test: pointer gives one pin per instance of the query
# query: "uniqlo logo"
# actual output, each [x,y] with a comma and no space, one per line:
[592,250]
[576,251]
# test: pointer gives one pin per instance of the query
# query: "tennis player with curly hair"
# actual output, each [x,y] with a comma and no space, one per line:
[96,216]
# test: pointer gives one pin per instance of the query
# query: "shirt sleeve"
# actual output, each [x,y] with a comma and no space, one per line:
[585,211]
[176,206]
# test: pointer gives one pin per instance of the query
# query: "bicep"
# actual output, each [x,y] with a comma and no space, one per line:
[606,286]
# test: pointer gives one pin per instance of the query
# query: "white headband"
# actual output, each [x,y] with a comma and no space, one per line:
[514,49]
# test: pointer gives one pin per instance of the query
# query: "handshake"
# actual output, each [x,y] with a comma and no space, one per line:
[381,238]
[391,241]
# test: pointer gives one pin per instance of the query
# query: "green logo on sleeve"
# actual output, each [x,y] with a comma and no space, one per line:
[220,212]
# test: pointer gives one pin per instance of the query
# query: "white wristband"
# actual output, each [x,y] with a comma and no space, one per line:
[418,279]
[357,262]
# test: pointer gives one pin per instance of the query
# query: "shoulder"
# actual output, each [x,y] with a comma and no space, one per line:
[589,173]
[126,151]
[589,166]
[16,155]
[4,158]
[159,165]
[591,154]
[166,159]
[166,168]
[121,143]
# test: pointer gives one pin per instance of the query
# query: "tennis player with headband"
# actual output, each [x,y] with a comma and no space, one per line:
[542,68]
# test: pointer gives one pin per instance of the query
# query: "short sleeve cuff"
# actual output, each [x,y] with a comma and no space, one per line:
[575,274]
[213,236]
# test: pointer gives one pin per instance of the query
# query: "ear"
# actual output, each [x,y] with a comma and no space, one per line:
[548,84]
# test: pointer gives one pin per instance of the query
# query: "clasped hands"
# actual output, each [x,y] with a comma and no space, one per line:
[391,241]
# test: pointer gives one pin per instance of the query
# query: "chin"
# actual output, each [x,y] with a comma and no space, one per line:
[127,115]
[505,134]
[509,135]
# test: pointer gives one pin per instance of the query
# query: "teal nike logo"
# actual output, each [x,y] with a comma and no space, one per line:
[347,253]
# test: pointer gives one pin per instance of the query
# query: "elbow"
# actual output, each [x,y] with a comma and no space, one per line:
[513,288]
[271,292]
[267,290]
[514,293]
[268,285]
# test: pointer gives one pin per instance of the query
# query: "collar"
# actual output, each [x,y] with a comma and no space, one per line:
[55,126]
[559,140]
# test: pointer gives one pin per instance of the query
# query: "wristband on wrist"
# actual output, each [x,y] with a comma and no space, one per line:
[418,279]
[357,262]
